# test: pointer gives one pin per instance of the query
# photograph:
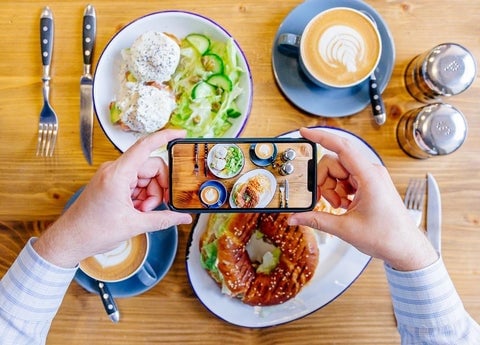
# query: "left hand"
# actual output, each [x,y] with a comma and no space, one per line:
[116,205]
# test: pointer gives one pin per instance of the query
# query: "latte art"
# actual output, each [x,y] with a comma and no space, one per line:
[115,256]
[342,47]
[119,263]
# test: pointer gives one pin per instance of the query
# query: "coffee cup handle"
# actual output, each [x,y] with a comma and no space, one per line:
[147,274]
[289,43]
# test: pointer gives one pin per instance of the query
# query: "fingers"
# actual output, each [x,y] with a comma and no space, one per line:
[318,220]
[161,220]
[137,154]
[347,153]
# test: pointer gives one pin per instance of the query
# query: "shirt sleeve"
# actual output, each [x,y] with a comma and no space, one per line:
[30,294]
[428,308]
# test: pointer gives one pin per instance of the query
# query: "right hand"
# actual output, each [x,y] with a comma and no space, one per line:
[376,221]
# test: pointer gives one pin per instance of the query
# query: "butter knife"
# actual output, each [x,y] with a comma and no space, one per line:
[89,29]
[287,190]
[434,213]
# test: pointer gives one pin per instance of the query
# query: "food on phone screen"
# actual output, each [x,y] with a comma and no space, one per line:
[249,193]
[258,258]
[225,160]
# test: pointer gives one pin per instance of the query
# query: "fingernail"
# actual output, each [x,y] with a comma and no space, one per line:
[292,221]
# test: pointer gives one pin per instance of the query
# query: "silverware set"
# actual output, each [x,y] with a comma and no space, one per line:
[417,189]
[48,122]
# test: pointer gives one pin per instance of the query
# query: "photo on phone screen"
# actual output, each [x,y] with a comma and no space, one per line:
[243,174]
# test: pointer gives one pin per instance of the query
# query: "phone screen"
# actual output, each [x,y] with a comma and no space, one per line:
[244,174]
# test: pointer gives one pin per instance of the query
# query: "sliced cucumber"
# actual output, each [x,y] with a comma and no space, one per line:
[221,81]
[202,90]
[199,42]
[212,63]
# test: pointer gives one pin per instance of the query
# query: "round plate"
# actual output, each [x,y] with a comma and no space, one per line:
[259,161]
[179,23]
[163,248]
[222,191]
[222,173]
[340,265]
[266,197]
[312,98]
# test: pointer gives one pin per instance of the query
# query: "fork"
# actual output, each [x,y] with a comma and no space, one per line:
[414,197]
[48,122]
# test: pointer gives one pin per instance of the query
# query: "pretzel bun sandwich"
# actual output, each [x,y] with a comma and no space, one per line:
[258,258]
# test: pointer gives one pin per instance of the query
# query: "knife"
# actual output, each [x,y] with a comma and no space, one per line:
[434,213]
[108,302]
[89,29]
[287,187]
[205,160]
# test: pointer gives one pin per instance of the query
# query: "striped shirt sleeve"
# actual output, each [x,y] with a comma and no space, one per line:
[428,308]
[30,294]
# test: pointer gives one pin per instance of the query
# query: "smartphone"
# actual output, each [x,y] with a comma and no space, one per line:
[242,175]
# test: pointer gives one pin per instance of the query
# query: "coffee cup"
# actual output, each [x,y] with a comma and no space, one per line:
[264,150]
[339,47]
[128,259]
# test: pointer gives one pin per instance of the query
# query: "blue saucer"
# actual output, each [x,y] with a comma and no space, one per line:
[222,190]
[259,161]
[161,256]
[312,98]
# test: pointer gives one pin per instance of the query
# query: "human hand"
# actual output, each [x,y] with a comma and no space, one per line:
[376,221]
[116,205]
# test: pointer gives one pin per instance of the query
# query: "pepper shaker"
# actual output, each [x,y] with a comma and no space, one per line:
[446,70]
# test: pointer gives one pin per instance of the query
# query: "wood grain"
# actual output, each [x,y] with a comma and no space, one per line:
[34,191]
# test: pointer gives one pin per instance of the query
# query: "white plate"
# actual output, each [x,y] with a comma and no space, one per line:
[266,196]
[222,173]
[179,23]
[340,265]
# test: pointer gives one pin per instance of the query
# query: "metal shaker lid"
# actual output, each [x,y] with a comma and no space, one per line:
[440,129]
[450,69]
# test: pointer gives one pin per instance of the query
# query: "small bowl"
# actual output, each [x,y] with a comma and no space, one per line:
[263,154]
[212,194]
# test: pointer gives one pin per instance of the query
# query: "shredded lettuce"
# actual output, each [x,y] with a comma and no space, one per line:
[210,115]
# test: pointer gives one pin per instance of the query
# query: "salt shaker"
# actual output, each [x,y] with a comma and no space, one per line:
[288,155]
[446,70]
[432,130]
[286,169]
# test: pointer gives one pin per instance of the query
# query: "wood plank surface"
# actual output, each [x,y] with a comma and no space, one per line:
[33,191]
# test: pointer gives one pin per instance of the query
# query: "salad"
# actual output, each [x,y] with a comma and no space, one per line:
[204,88]
[225,161]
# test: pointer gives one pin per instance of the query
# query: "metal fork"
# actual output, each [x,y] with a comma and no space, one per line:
[414,197]
[48,122]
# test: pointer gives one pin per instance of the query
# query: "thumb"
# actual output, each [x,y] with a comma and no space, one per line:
[161,220]
[323,221]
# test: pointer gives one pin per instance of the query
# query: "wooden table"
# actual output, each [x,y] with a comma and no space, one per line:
[33,191]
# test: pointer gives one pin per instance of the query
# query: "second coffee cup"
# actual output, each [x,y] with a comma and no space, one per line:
[339,48]
[126,260]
